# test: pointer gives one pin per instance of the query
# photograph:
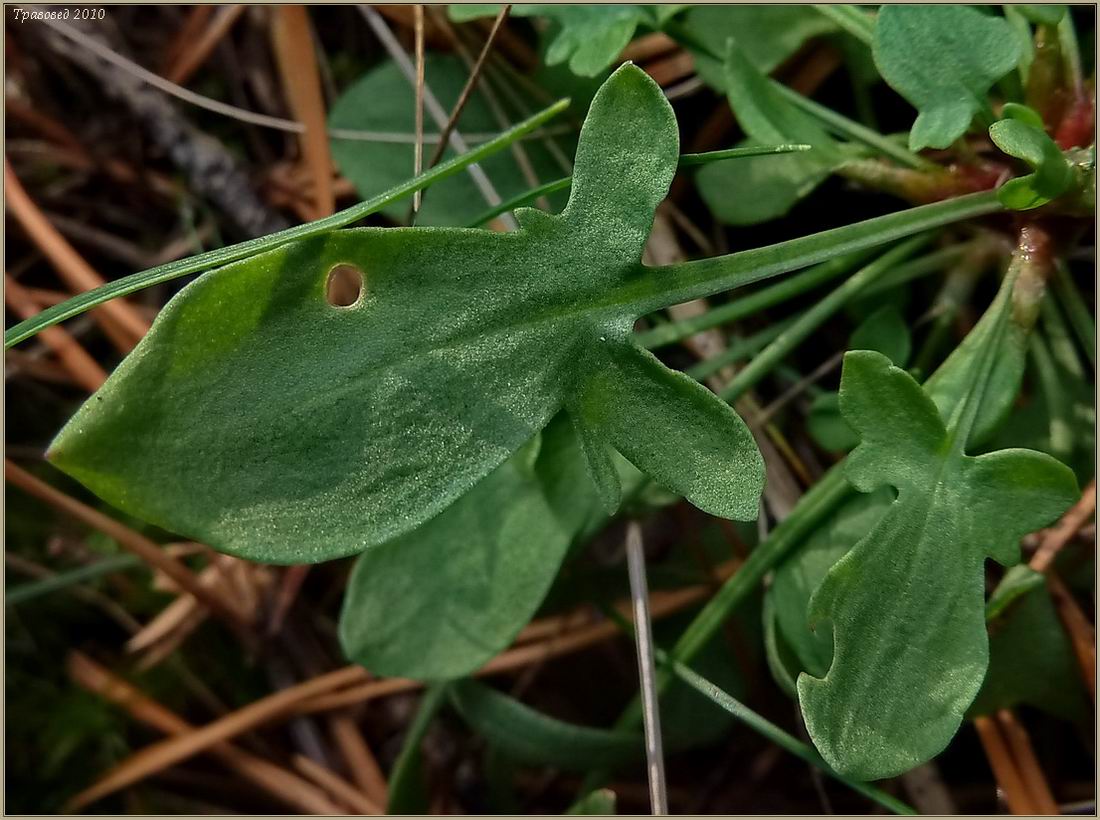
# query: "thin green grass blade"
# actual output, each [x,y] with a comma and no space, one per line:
[857,23]
[63,580]
[816,315]
[406,787]
[683,282]
[780,738]
[685,160]
[211,259]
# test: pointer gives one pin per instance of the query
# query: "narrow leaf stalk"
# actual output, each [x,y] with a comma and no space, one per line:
[854,131]
[857,23]
[406,791]
[753,303]
[965,415]
[673,284]
[815,316]
[533,194]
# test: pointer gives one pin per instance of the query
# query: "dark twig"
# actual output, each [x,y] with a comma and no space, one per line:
[471,84]
[212,171]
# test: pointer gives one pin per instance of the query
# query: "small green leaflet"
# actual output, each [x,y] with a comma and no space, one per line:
[906,604]
[590,39]
[886,331]
[259,419]
[777,183]
[943,60]
[1052,175]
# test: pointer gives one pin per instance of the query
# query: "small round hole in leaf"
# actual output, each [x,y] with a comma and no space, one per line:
[345,285]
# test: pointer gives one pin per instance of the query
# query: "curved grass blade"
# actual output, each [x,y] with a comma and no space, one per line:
[25,592]
[407,794]
[776,735]
[221,256]
[685,160]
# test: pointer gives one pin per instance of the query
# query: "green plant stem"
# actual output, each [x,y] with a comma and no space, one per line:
[406,792]
[673,284]
[1071,51]
[955,293]
[1061,341]
[1080,319]
[211,259]
[938,260]
[753,303]
[1023,29]
[739,349]
[778,350]
[707,157]
[686,160]
[1061,427]
[837,123]
[965,414]
[857,23]
[62,580]
[519,200]
[759,724]
[769,730]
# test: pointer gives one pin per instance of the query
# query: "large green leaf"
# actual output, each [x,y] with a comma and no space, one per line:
[260,419]
[440,601]
[1052,175]
[382,101]
[264,421]
[906,604]
[943,60]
